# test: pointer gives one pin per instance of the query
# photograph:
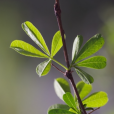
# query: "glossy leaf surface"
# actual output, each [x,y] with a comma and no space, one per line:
[56,43]
[83,89]
[35,35]
[69,100]
[92,46]
[61,86]
[43,68]
[97,99]
[59,111]
[76,46]
[26,49]
[59,106]
[96,62]
[84,76]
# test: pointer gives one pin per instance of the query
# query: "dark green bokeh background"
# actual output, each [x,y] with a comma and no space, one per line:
[22,91]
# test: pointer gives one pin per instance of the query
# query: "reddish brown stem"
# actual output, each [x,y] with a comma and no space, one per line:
[68,74]
[94,110]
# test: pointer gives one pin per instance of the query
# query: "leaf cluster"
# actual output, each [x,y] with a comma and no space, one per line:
[78,55]
[62,89]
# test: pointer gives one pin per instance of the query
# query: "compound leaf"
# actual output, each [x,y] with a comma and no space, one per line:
[97,99]
[61,86]
[83,89]
[59,111]
[96,62]
[43,68]
[69,100]
[84,76]
[92,46]
[35,35]
[26,49]
[56,43]
[76,46]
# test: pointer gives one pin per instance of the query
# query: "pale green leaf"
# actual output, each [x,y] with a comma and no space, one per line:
[59,106]
[83,89]
[97,99]
[84,76]
[35,35]
[59,111]
[69,100]
[96,62]
[26,49]
[92,46]
[61,86]
[43,68]
[76,46]
[56,43]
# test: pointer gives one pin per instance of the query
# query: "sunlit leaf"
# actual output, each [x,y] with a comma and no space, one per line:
[84,76]
[73,111]
[92,46]
[35,35]
[56,43]
[76,46]
[61,86]
[26,49]
[96,62]
[69,100]
[59,111]
[83,89]
[97,99]
[43,68]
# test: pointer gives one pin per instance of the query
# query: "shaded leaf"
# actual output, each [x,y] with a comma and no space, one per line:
[83,89]
[97,99]
[26,49]
[69,100]
[92,46]
[56,43]
[96,62]
[84,76]
[59,111]
[35,35]
[89,109]
[76,46]
[43,68]
[59,106]
[61,86]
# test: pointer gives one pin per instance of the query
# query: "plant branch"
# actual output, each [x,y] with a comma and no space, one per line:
[94,110]
[68,73]
[59,64]
[57,68]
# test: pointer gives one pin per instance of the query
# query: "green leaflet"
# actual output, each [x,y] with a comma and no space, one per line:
[92,46]
[83,89]
[43,68]
[59,106]
[26,49]
[96,62]
[84,76]
[59,111]
[76,46]
[97,99]
[35,35]
[73,111]
[69,100]
[56,43]
[61,86]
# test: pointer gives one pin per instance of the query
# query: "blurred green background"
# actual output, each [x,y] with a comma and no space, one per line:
[22,91]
